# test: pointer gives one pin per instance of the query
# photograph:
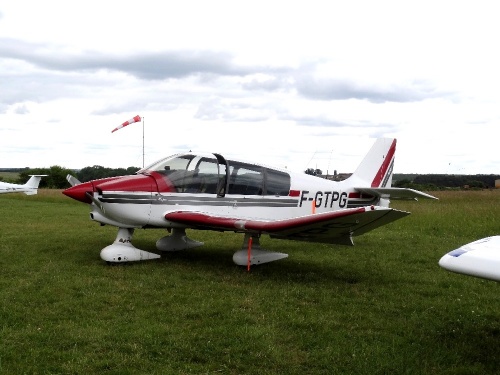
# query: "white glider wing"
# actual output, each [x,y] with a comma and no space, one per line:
[328,227]
[480,258]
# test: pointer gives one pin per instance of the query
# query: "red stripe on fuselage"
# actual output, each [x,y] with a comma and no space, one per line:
[137,182]
[379,177]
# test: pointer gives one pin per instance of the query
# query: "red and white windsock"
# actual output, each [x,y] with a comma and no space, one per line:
[131,121]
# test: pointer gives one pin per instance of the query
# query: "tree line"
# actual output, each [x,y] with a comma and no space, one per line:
[56,178]
[445,181]
[56,175]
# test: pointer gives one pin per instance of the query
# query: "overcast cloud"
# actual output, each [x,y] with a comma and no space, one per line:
[292,84]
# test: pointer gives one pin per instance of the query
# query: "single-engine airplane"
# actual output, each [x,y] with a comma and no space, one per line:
[480,258]
[29,188]
[210,192]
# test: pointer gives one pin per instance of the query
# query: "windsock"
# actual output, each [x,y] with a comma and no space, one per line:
[131,121]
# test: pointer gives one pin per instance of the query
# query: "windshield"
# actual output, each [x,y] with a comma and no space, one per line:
[188,173]
[172,162]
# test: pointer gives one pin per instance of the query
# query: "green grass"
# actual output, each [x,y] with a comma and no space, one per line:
[383,306]
[9,176]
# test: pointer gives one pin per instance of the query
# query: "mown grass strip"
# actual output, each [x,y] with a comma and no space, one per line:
[382,306]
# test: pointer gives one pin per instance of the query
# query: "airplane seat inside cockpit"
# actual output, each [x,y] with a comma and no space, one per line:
[210,182]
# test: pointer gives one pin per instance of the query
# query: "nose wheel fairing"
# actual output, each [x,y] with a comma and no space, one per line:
[122,249]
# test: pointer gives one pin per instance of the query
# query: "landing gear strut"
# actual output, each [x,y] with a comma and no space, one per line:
[178,240]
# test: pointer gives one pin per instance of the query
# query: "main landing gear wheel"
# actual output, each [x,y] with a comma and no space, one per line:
[255,255]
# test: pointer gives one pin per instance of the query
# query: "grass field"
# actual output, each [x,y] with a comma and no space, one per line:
[383,306]
[9,176]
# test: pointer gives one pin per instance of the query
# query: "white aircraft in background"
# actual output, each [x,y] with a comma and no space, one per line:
[29,188]
[480,258]
[208,192]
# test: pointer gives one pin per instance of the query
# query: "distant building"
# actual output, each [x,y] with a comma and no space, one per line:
[497,184]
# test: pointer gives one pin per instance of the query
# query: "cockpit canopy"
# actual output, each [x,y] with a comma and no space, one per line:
[213,174]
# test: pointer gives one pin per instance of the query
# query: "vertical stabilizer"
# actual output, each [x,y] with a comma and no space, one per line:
[31,187]
[377,166]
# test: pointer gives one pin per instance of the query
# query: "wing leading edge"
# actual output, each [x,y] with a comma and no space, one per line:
[336,227]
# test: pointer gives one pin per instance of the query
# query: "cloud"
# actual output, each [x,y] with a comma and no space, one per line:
[228,110]
[144,65]
[345,89]
[268,82]
[21,109]
[60,68]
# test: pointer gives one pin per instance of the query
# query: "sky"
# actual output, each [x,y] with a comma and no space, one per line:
[291,84]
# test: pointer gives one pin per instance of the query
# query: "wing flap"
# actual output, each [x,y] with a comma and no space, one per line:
[328,227]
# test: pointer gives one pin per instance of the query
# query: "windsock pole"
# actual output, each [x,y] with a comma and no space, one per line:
[143,142]
[249,253]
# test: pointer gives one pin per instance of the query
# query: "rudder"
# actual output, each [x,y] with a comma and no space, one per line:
[377,166]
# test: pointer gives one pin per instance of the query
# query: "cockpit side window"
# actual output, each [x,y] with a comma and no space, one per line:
[207,176]
[277,183]
[246,179]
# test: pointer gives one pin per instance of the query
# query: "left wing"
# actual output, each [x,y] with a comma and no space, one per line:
[480,258]
[328,227]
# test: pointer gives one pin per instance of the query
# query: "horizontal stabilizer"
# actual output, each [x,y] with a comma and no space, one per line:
[395,193]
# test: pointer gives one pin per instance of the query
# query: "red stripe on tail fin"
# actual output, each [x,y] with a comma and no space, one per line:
[379,177]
